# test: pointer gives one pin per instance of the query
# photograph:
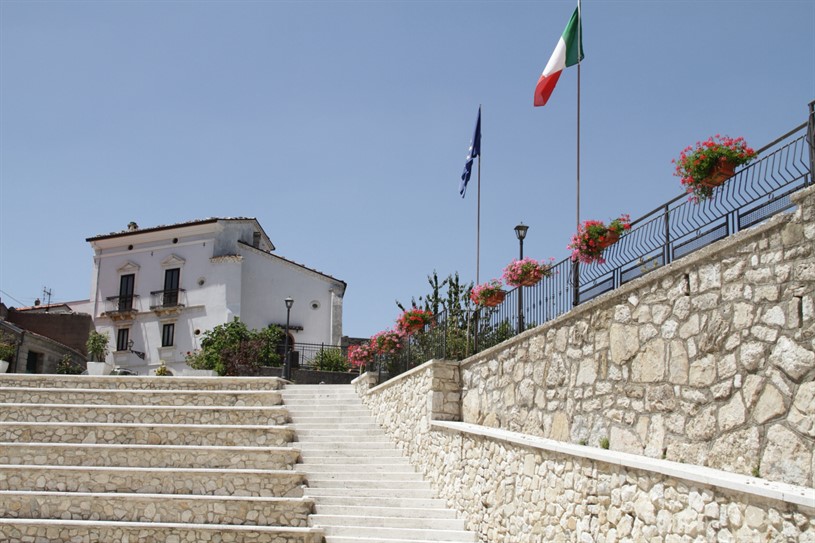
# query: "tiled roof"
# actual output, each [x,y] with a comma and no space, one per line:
[168,227]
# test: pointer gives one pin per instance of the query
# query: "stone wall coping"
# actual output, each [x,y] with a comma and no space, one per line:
[139,378]
[156,470]
[269,427]
[418,369]
[316,531]
[798,495]
[143,496]
[690,261]
[142,446]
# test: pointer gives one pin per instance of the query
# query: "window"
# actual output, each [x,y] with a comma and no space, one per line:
[32,362]
[122,339]
[126,283]
[171,281]
[167,335]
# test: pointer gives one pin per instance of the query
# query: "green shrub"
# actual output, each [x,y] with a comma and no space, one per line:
[67,366]
[331,360]
[97,346]
[233,349]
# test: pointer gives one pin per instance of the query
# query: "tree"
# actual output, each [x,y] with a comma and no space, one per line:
[97,346]
[233,349]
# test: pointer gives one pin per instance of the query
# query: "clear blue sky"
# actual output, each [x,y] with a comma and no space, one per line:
[343,126]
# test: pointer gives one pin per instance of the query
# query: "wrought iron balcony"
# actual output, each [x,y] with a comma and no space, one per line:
[121,307]
[168,299]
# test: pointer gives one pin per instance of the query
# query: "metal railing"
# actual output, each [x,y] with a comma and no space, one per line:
[317,356]
[121,304]
[671,231]
[165,299]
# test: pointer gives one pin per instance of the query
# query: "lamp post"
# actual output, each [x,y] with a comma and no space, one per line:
[286,359]
[520,232]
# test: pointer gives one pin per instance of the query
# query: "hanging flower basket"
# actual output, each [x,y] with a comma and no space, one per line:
[414,320]
[488,294]
[386,342]
[723,170]
[710,163]
[593,237]
[360,355]
[526,272]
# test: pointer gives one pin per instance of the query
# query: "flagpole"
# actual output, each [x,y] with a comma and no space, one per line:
[478,220]
[575,264]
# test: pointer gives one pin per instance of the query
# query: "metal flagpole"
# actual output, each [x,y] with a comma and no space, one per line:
[575,264]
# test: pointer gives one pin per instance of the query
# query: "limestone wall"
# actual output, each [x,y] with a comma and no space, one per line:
[515,488]
[699,377]
[709,361]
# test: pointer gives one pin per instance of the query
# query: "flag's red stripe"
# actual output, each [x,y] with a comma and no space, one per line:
[544,88]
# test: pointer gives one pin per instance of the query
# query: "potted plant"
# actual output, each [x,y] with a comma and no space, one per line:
[413,320]
[162,370]
[489,294]
[8,348]
[360,356]
[386,342]
[526,272]
[593,236]
[97,347]
[710,163]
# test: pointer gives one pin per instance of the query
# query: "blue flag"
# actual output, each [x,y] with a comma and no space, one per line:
[475,150]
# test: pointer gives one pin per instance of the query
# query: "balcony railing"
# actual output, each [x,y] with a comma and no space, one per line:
[121,304]
[168,299]
[671,231]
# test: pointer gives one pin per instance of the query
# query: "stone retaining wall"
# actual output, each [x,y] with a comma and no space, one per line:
[158,508]
[709,361]
[117,433]
[18,394]
[130,382]
[517,492]
[284,483]
[145,414]
[136,456]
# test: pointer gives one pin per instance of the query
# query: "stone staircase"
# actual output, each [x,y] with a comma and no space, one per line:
[364,490]
[149,459]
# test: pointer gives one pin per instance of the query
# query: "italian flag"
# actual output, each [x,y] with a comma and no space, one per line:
[568,52]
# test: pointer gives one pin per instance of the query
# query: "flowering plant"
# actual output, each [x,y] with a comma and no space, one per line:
[360,355]
[386,342]
[526,272]
[594,236]
[490,293]
[413,320]
[696,164]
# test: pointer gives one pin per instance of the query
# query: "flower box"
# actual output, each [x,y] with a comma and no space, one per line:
[526,272]
[721,172]
[710,163]
[495,299]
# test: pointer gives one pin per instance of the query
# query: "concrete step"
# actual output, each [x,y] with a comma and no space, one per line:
[145,434]
[371,457]
[335,446]
[399,511]
[42,395]
[395,492]
[145,414]
[387,534]
[405,481]
[417,523]
[344,431]
[134,382]
[352,539]
[163,456]
[355,469]
[199,481]
[128,507]
[389,502]
[48,530]
[365,436]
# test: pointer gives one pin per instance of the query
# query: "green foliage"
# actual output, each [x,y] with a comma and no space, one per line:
[97,346]
[604,444]
[67,366]
[162,370]
[8,347]
[233,349]
[494,334]
[331,360]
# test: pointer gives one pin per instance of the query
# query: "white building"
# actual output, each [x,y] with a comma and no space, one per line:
[154,291]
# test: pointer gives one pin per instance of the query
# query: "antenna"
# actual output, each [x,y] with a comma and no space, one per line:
[46,295]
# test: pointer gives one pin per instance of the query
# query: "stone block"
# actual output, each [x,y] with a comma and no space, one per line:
[769,406]
[649,365]
[802,413]
[793,359]
[786,457]
[624,342]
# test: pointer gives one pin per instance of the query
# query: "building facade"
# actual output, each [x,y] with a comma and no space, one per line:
[155,291]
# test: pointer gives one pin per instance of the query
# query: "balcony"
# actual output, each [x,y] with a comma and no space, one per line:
[168,302]
[121,307]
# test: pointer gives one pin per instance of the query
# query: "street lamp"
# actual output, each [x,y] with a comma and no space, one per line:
[520,232]
[287,360]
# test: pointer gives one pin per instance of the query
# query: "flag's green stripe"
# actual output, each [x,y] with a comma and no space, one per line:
[570,38]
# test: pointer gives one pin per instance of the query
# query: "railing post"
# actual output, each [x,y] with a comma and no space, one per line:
[575,283]
[811,141]
[666,254]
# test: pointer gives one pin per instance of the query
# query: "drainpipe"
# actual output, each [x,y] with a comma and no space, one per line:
[331,316]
